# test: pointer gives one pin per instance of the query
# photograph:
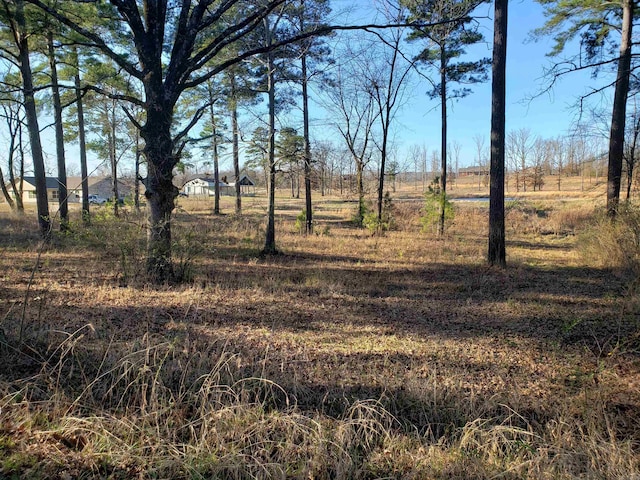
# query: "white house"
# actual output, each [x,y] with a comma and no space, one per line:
[203,186]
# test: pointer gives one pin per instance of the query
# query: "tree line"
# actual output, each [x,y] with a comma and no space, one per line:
[157,80]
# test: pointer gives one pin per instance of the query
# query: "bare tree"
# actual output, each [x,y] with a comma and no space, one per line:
[631,145]
[355,114]
[519,147]
[479,141]
[387,70]
[11,112]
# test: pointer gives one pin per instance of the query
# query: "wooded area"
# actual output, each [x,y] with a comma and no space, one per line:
[326,304]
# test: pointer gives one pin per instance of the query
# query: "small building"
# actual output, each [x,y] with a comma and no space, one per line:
[101,186]
[473,171]
[247,186]
[205,186]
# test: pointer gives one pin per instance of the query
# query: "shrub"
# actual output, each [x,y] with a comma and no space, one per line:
[301,221]
[614,244]
[376,225]
[434,201]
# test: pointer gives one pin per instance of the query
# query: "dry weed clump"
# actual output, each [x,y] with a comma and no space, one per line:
[614,244]
[570,218]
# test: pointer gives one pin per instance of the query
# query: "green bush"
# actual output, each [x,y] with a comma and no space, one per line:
[375,225]
[301,222]
[434,200]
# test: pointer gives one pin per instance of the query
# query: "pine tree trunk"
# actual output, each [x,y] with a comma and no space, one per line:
[113,158]
[235,146]
[307,149]
[443,139]
[497,250]
[214,146]
[63,200]
[160,193]
[136,181]
[31,114]
[270,240]
[84,171]
[618,115]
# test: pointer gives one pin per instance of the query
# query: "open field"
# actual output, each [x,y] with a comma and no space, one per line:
[348,356]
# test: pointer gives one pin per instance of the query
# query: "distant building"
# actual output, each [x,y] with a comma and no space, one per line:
[205,186]
[473,171]
[247,186]
[101,186]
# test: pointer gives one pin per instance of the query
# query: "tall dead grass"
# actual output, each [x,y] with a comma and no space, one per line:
[184,408]
[92,402]
[614,244]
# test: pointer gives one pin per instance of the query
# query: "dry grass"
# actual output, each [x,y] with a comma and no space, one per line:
[348,356]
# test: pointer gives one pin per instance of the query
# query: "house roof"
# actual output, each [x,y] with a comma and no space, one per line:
[209,180]
[75,183]
[52,182]
[245,180]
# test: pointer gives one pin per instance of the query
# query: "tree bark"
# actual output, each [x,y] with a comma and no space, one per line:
[307,147]
[113,156]
[618,115]
[235,143]
[84,172]
[270,239]
[136,181]
[360,188]
[5,192]
[443,138]
[497,249]
[160,192]
[63,200]
[214,146]
[42,202]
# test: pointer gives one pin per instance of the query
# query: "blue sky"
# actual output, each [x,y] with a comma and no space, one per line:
[548,114]
[418,123]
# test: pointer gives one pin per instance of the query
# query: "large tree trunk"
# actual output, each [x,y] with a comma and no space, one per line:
[63,200]
[236,158]
[497,250]
[113,156]
[235,142]
[216,170]
[136,181]
[307,147]
[42,202]
[443,138]
[84,171]
[270,239]
[618,115]
[214,146]
[160,193]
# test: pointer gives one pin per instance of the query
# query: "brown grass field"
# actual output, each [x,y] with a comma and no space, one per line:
[347,356]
